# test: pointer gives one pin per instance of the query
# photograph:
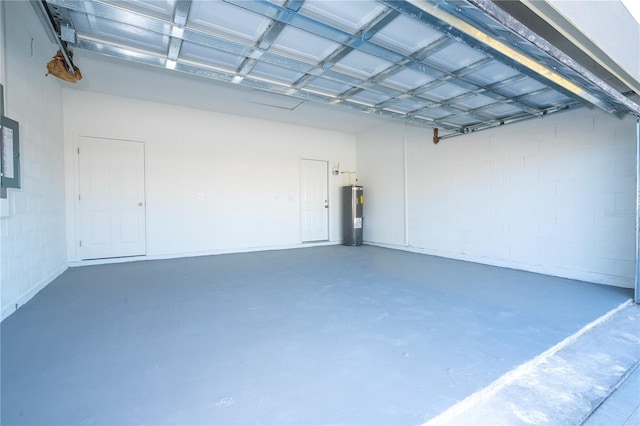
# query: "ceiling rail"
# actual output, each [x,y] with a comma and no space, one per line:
[43,11]
[491,9]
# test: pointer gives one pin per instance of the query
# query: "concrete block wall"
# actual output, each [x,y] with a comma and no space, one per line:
[33,217]
[555,195]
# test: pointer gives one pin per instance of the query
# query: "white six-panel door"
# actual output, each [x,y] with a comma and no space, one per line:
[314,200]
[111,198]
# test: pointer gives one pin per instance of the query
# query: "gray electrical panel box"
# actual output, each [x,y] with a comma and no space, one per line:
[352,202]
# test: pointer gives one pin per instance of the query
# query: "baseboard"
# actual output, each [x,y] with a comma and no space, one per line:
[14,305]
[572,274]
[200,253]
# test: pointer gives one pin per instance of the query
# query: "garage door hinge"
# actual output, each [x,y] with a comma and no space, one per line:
[80,243]
[78,197]
[78,151]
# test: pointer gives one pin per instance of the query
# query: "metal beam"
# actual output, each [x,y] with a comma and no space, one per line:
[198,36]
[514,25]
[548,13]
[219,75]
[456,20]
[365,34]
[510,120]
[181,12]
[268,9]
[42,8]
[438,16]
[180,16]
[264,43]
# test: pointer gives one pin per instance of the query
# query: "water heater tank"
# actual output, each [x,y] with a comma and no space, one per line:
[352,202]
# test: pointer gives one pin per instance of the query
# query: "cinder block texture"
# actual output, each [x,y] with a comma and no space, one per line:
[555,195]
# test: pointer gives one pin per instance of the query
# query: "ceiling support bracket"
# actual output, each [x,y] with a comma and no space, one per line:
[436,138]
[48,19]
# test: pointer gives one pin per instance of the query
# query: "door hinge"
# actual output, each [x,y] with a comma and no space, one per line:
[80,243]
[78,197]
[78,151]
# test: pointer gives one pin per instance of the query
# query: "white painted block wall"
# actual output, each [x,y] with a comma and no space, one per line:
[247,170]
[33,236]
[555,195]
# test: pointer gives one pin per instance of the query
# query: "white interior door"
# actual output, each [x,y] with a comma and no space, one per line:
[315,200]
[111,199]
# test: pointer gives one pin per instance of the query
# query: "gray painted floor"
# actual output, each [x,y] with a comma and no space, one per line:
[324,335]
[563,385]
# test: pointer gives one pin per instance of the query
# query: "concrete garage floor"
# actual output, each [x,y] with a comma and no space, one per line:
[622,407]
[324,335]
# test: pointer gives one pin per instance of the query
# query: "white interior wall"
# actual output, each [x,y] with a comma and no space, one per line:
[33,237]
[381,168]
[555,195]
[247,170]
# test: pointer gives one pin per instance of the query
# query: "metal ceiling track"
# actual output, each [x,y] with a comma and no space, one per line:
[457,65]
[621,104]
[53,28]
